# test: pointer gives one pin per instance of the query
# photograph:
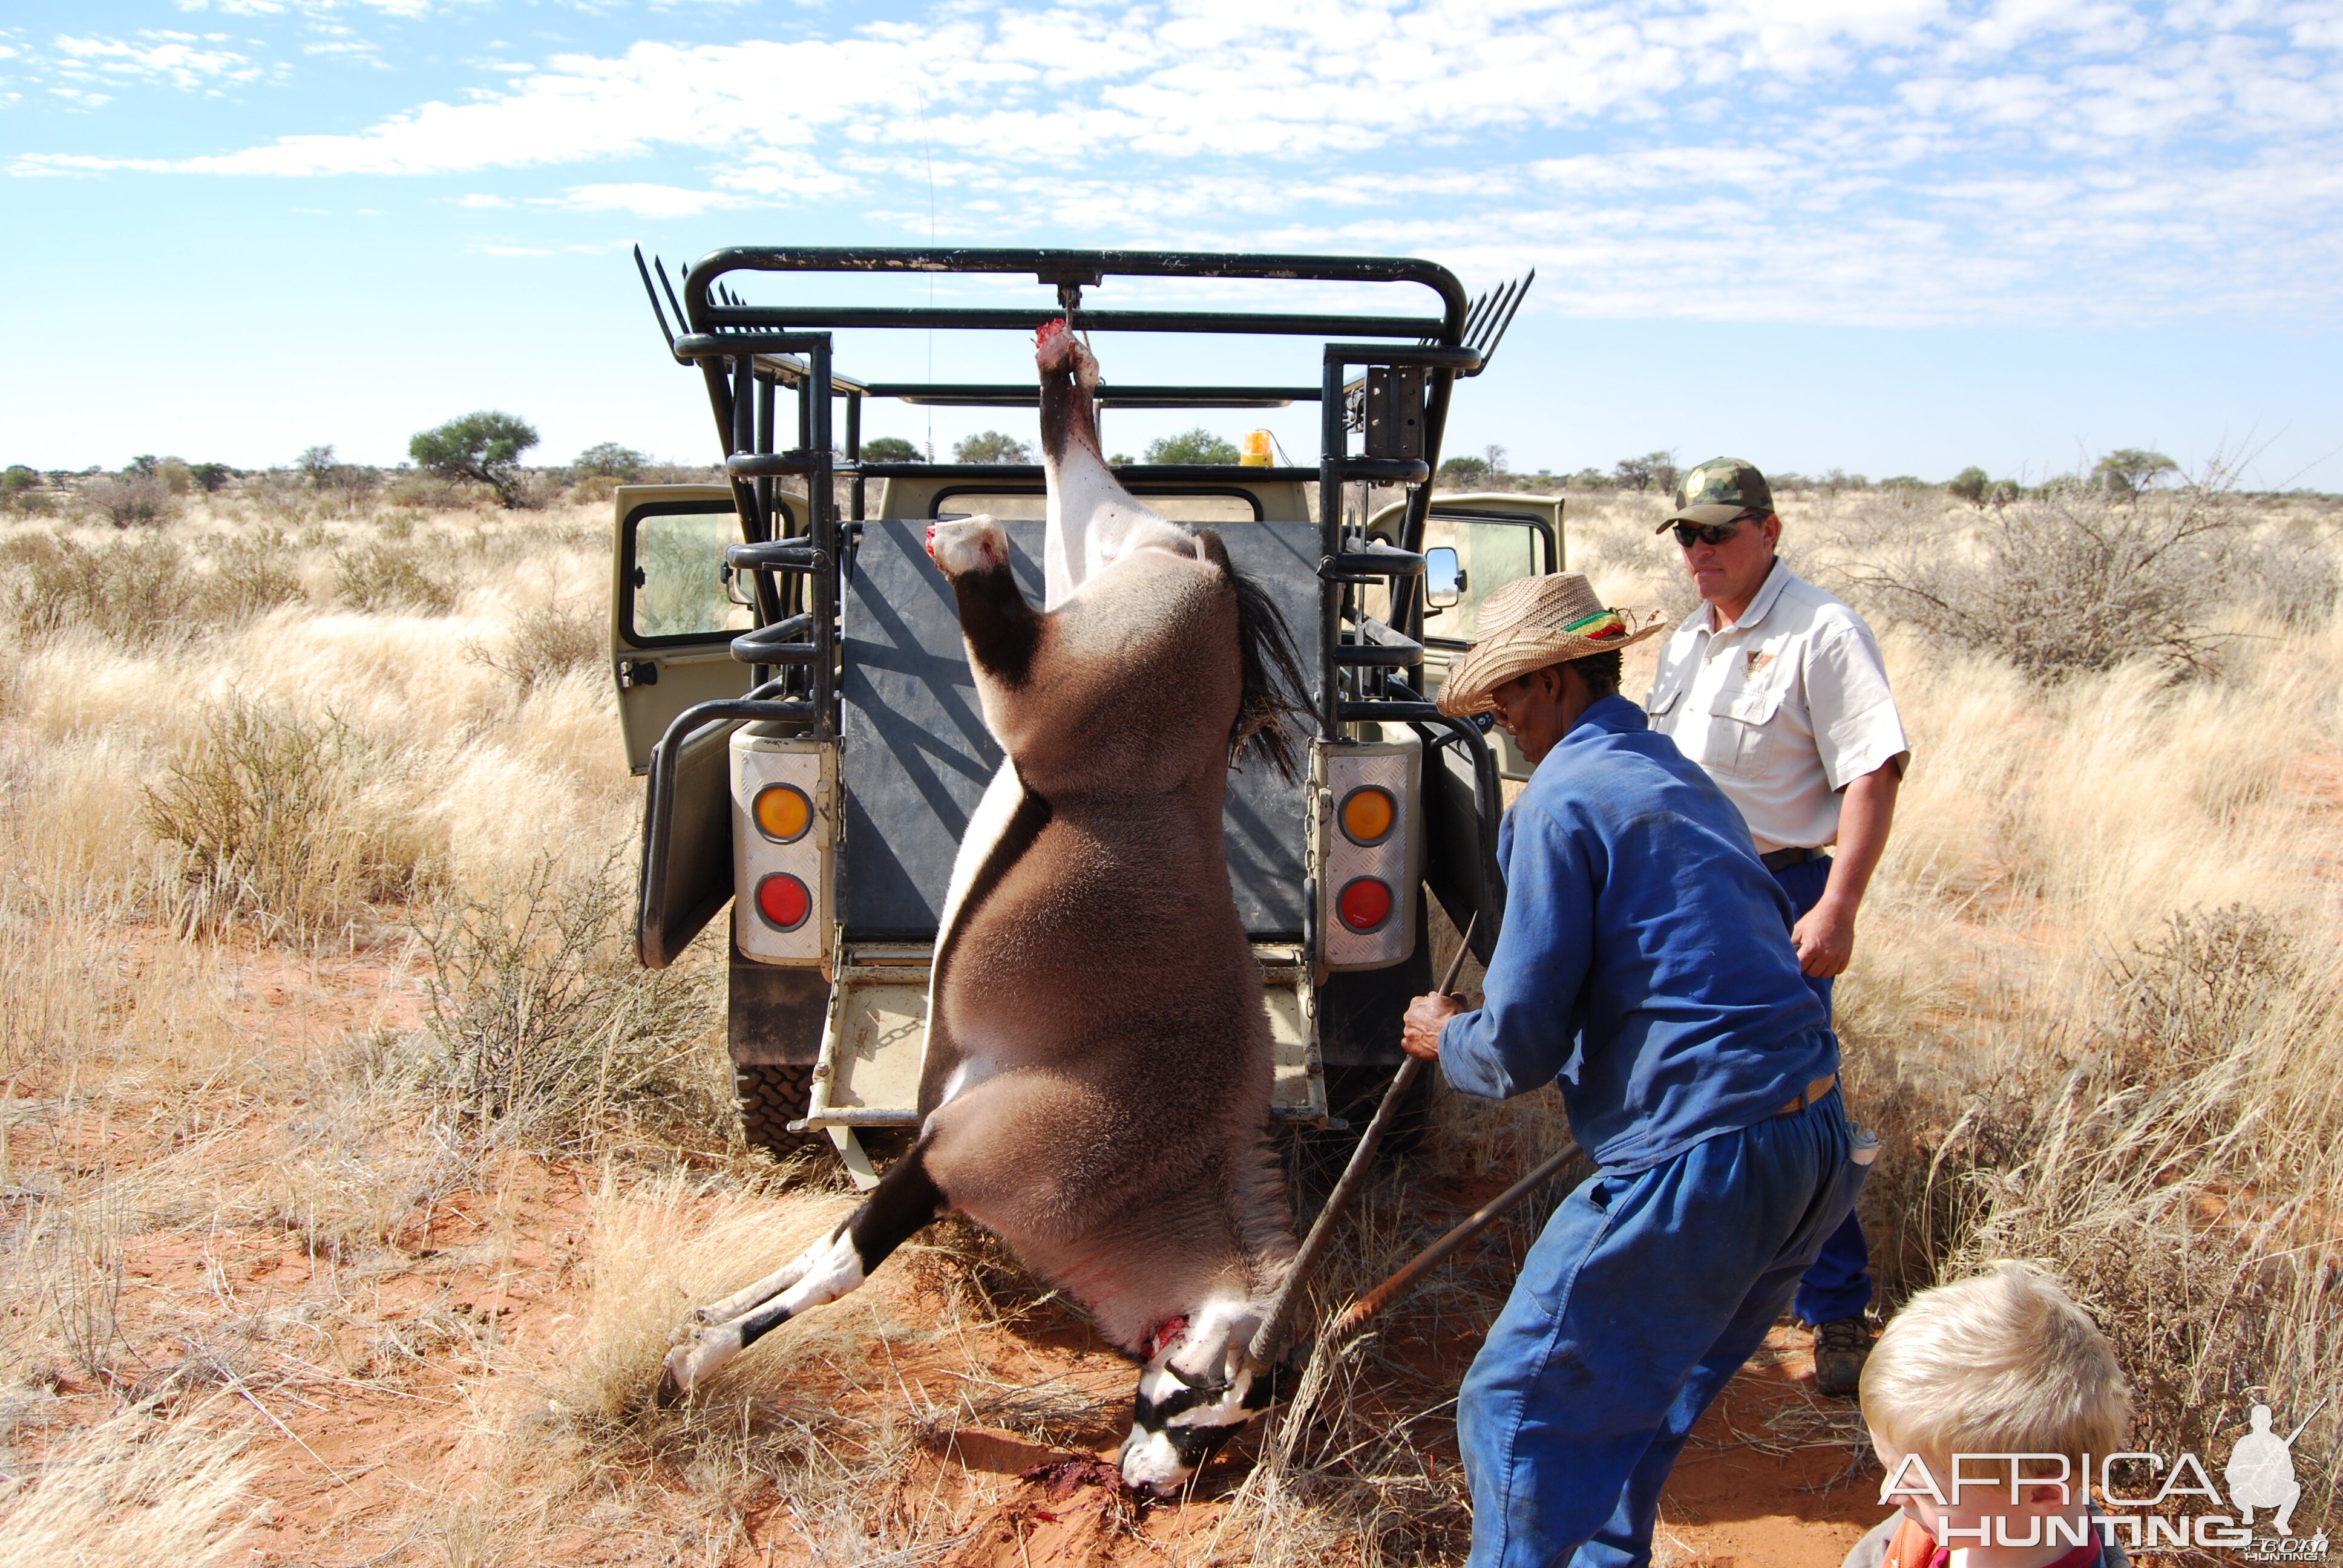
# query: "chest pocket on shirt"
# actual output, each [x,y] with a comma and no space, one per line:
[1665,702]
[1741,730]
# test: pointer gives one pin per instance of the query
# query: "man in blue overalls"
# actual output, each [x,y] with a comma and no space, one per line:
[1642,963]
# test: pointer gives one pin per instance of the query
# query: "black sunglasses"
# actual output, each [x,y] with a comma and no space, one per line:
[1690,533]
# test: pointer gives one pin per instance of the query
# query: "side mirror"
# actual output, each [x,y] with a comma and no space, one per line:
[1444,577]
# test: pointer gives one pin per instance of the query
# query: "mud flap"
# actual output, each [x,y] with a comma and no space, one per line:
[687,868]
[1459,869]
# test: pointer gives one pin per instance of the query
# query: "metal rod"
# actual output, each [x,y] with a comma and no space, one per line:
[1432,1257]
[680,322]
[854,454]
[1016,318]
[656,309]
[1333,449]
[822,514]
[1265,1346]
[765,391]
[1489,350]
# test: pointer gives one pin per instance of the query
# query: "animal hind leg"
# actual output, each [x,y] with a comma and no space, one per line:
[904,1202]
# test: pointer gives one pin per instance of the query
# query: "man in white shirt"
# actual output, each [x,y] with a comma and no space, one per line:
[1778,692]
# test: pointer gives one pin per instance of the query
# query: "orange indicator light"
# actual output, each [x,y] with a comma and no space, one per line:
[782,812]
[1367,815]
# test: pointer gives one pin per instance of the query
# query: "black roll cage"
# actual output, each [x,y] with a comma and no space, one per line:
[1406,368]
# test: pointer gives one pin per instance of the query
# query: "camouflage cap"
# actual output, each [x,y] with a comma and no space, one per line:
[1719,491]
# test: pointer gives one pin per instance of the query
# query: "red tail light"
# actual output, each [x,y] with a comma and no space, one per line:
[1364,903]
[785,903]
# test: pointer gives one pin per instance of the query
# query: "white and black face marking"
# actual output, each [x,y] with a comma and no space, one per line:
[1195,1395]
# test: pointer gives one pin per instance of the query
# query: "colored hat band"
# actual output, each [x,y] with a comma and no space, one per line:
[1603,625]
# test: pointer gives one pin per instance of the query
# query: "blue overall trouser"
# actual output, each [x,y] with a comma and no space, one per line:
[1643,1296]
[1839,1284]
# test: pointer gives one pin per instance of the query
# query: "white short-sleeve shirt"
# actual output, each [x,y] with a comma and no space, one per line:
[1783,712]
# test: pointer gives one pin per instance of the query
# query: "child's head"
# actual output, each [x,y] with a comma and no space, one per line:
[2003,1362]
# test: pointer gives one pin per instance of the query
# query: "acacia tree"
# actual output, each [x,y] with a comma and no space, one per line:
[1196,446]
[2124,472]
[991,446]
[484,447]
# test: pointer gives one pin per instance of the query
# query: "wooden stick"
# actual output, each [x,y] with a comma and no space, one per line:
[1432,1257]
[1268,1341]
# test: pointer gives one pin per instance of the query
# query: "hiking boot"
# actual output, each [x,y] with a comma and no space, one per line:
[1840,1350]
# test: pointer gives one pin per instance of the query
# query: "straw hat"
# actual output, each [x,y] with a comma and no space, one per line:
[1530,623]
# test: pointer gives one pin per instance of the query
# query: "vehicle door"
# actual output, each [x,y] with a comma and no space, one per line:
[675,607]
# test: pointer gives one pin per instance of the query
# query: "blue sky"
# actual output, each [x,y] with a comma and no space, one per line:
[1891,236]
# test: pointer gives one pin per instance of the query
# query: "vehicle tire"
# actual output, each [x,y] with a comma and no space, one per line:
[770,1096]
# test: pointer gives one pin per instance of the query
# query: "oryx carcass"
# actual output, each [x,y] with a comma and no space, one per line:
[1096,1088]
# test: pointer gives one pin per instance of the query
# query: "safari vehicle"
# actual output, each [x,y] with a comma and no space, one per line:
[794,683]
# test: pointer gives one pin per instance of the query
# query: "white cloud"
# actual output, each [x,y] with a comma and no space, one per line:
[1823,159]
[176,59]
[652,201]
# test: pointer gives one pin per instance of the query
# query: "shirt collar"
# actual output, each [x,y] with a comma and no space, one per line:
[1768,591]
[1612,715]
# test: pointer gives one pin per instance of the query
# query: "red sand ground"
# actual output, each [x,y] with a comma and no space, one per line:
[363,1451]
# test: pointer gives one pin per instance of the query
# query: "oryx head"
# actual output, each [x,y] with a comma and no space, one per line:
[1195,1393]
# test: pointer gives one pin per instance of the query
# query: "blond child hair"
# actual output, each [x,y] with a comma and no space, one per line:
[2002,1363]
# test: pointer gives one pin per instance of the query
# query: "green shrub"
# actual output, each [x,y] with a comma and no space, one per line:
[23,492]
[549,642]
[890,450]
[132,498]
[608,460]
[1196,446]
[383,575]
[992,447]
[250,575]
[131,592]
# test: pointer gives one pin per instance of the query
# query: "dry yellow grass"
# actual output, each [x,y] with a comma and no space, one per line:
[2094,1009]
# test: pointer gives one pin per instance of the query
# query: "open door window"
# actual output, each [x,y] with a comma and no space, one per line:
[1473,546]
[675,607]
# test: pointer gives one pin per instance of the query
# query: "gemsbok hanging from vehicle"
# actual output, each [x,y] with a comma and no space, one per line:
[1096,1088]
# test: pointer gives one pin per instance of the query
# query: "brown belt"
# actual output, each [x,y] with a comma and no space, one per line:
[1811,1093]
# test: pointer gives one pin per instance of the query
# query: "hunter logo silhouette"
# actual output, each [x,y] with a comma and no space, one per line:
[2260,1473]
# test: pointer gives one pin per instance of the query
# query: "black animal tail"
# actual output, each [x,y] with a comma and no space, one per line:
[1274,690]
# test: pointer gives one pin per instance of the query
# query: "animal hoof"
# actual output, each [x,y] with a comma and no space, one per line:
[672,1389]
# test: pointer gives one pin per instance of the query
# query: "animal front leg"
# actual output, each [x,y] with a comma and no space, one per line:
[906,1200]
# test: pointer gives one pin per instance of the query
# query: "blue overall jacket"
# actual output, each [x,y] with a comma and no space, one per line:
[1645,959]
